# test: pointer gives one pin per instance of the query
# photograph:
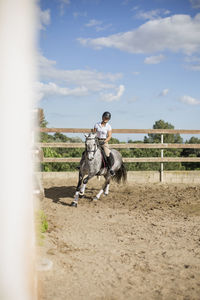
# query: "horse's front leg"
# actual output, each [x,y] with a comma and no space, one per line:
[85,181]
[105,189]
[82,190]
[76,196]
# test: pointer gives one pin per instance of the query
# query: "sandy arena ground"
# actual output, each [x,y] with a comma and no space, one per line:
[141,242]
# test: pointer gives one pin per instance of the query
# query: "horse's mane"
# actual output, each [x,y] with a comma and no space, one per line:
[91,135]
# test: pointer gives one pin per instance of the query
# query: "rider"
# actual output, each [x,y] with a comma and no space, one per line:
[104,134]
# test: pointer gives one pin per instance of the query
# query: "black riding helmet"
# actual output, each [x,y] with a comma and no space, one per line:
[106,115]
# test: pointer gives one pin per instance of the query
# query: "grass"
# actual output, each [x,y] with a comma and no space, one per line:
[41,226]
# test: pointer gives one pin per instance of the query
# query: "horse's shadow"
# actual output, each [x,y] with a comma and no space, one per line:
[56,193]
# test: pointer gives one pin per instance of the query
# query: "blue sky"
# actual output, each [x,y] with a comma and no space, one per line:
[138,59]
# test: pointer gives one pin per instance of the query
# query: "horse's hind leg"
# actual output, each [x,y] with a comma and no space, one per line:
[98,195]
[104,189]
[106,186]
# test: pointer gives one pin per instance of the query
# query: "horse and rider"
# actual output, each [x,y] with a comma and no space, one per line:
[99,160]
[104,134]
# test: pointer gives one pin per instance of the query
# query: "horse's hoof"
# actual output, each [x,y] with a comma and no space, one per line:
[95,199]
[112,173]
[73,204]
[105,194]
[81,195]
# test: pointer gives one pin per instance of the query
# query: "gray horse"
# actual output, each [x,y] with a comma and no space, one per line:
[91,165]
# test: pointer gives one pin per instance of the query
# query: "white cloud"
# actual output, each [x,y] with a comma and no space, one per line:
[44,63]
[193,63]
[135,73]
[178,33]
[191,59]
[189,100]
[164,93]
[125,2]
[103,27]
[93,23]
[65,1]
[77,14]
[51,89]
[136,7]
[44,18]
[194,67]
[76,82]
[151,14]
[92,79]
[63,4]
[152,60]
[195,3]
[133,99]
[98,25]
[110,97]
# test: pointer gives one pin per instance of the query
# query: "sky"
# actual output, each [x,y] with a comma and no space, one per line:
[138,59]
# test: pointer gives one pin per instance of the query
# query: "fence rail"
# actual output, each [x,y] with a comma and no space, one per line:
[128,159]
[154,131]
[161,145]
[124,146]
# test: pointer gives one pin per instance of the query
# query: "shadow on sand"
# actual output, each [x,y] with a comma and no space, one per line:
[56,193]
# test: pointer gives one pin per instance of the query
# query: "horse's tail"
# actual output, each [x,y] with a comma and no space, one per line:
[121,174]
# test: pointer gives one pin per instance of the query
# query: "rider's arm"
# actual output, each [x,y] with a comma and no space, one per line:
[94,130]
[109,136]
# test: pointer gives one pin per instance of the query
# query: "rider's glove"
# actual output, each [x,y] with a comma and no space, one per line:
[101,143]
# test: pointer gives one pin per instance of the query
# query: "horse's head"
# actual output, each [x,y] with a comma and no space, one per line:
[91,145]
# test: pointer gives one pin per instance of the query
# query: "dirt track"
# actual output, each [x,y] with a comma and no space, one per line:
[141,242]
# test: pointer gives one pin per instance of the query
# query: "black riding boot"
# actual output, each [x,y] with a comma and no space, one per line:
[109,166]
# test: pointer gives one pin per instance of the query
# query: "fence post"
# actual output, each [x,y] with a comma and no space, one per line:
[17,79]
[161,164]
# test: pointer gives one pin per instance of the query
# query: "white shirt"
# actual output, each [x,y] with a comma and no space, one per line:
[102,131]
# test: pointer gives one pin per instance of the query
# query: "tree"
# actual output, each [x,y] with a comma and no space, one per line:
[44,137]
[59,137]
[114,141]
[167,138]
[191,153]
[41,118]
[57,152]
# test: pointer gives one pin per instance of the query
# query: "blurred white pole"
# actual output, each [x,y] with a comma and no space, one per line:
[161,164]
[17,74]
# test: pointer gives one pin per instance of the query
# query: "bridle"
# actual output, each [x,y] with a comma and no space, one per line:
[96,145]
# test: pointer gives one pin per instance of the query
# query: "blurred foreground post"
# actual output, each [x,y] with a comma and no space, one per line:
[17,75]
[161,165]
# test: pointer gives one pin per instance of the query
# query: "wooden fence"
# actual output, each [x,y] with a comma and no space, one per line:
[160,145]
